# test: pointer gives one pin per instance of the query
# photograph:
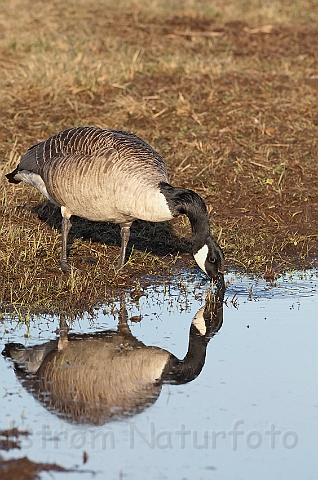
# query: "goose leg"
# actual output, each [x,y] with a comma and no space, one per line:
[123,317]
[64,329]
[66,227]
[125,234]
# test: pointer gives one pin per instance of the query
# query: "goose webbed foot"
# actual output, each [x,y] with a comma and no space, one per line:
[65,266]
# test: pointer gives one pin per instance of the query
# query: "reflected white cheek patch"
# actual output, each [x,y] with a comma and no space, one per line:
[200,257]
[199,321]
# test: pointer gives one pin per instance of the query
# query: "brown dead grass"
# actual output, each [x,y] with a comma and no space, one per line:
[227,94]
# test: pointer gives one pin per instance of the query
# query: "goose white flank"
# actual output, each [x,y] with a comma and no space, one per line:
[114,176]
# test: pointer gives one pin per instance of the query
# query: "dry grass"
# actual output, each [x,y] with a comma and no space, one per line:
[225,91]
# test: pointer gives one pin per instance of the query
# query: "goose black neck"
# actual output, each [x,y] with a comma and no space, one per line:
[183,371]
[184,201]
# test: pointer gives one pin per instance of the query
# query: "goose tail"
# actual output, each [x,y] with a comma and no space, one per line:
[11,176]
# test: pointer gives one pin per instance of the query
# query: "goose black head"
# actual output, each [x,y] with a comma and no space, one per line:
[210,259]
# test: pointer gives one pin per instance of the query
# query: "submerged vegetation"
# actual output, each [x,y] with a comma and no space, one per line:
[226,93]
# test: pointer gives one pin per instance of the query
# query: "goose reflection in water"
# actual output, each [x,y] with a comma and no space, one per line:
[110,375]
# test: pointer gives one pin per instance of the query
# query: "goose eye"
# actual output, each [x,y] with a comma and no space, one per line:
[212,259]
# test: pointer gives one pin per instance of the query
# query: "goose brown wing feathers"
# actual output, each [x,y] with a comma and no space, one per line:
[91,142]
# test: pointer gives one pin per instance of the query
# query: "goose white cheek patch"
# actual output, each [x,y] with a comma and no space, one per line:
[200,257]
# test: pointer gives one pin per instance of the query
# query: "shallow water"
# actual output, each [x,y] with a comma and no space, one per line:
[250,413]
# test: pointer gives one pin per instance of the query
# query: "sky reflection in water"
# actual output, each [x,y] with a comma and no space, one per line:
[250,413]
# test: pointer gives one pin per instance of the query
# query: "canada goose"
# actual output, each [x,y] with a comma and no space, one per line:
[95,378]
[114,176]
